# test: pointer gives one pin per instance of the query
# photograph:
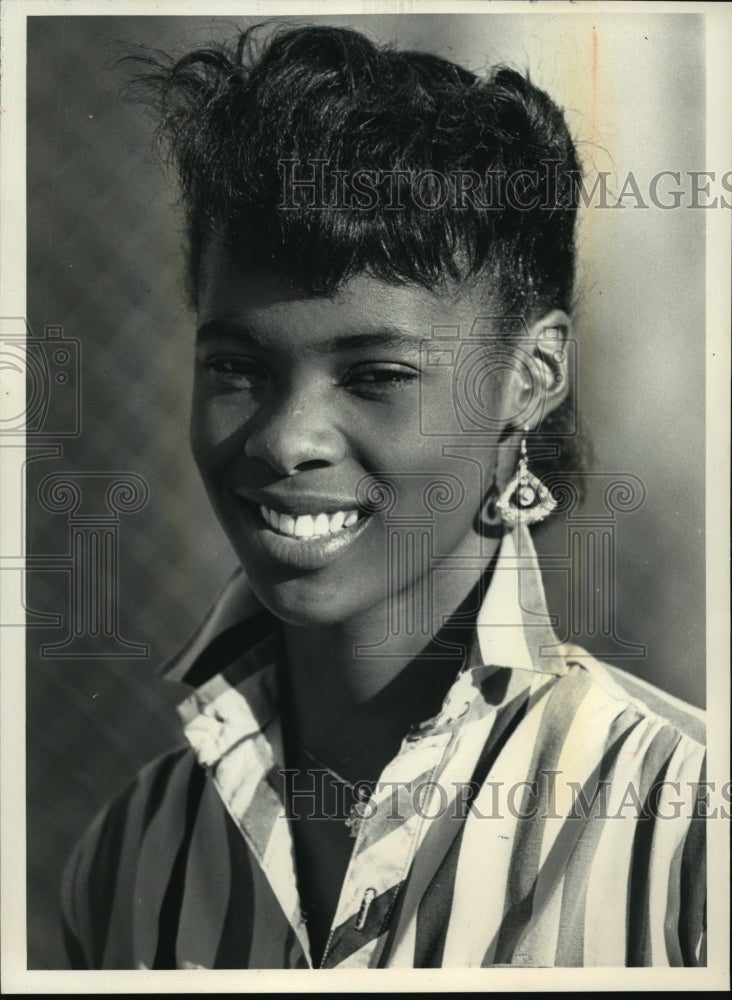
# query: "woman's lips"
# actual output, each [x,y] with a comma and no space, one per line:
[307,541]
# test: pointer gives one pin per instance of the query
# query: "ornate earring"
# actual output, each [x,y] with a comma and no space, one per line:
[525,500]
[491,522]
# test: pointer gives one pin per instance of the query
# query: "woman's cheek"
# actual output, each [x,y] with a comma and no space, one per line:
[216,421]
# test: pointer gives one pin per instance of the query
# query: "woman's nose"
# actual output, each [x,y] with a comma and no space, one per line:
[298,431]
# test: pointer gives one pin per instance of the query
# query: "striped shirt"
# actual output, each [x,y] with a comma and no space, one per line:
[546,816]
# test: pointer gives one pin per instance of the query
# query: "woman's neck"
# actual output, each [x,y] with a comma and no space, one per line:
[354,689]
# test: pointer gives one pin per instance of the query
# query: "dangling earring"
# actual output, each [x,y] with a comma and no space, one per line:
[490,520]
[525,500]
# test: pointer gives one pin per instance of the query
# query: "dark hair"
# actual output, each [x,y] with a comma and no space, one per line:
[237,119]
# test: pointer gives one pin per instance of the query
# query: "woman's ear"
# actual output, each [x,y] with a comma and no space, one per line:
[543,380]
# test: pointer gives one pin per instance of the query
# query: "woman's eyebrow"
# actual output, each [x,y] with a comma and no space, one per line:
[386,337]
[221,329]
[383,337]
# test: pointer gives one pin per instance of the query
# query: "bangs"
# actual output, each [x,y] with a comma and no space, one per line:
[316,153]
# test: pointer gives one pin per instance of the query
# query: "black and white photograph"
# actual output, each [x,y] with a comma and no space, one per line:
[365,467]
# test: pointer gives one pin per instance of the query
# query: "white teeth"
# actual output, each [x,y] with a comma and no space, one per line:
[321,525]
[271,517]
[304,526]
[309,525]
[336,521]
[287,524]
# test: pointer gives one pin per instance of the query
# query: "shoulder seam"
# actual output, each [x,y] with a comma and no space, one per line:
[603,674]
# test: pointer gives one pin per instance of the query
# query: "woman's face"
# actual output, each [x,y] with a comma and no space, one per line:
[306,407]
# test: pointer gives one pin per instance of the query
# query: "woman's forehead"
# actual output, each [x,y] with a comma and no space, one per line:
[227,290]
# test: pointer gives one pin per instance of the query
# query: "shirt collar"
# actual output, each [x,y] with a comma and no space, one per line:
[234,608]
[514,627]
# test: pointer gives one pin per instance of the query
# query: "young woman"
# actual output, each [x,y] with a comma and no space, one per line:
[392,761]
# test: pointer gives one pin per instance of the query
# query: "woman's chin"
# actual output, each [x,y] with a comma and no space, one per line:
[301,603]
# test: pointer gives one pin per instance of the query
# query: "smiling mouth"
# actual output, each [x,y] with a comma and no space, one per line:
[306,526]
[303,541]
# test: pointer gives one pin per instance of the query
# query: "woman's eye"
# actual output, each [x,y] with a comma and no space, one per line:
[378,380]
[235,372]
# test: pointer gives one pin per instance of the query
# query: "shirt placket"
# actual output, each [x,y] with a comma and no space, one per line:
[388,838]
[244,763]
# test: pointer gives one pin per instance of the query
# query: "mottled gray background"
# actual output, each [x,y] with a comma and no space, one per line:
[103,262]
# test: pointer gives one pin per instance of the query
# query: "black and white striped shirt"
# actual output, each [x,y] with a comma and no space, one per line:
[547,816]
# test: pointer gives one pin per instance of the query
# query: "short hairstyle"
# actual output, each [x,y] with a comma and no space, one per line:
[238,118]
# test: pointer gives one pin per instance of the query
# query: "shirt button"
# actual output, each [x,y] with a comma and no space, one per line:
[368,898]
